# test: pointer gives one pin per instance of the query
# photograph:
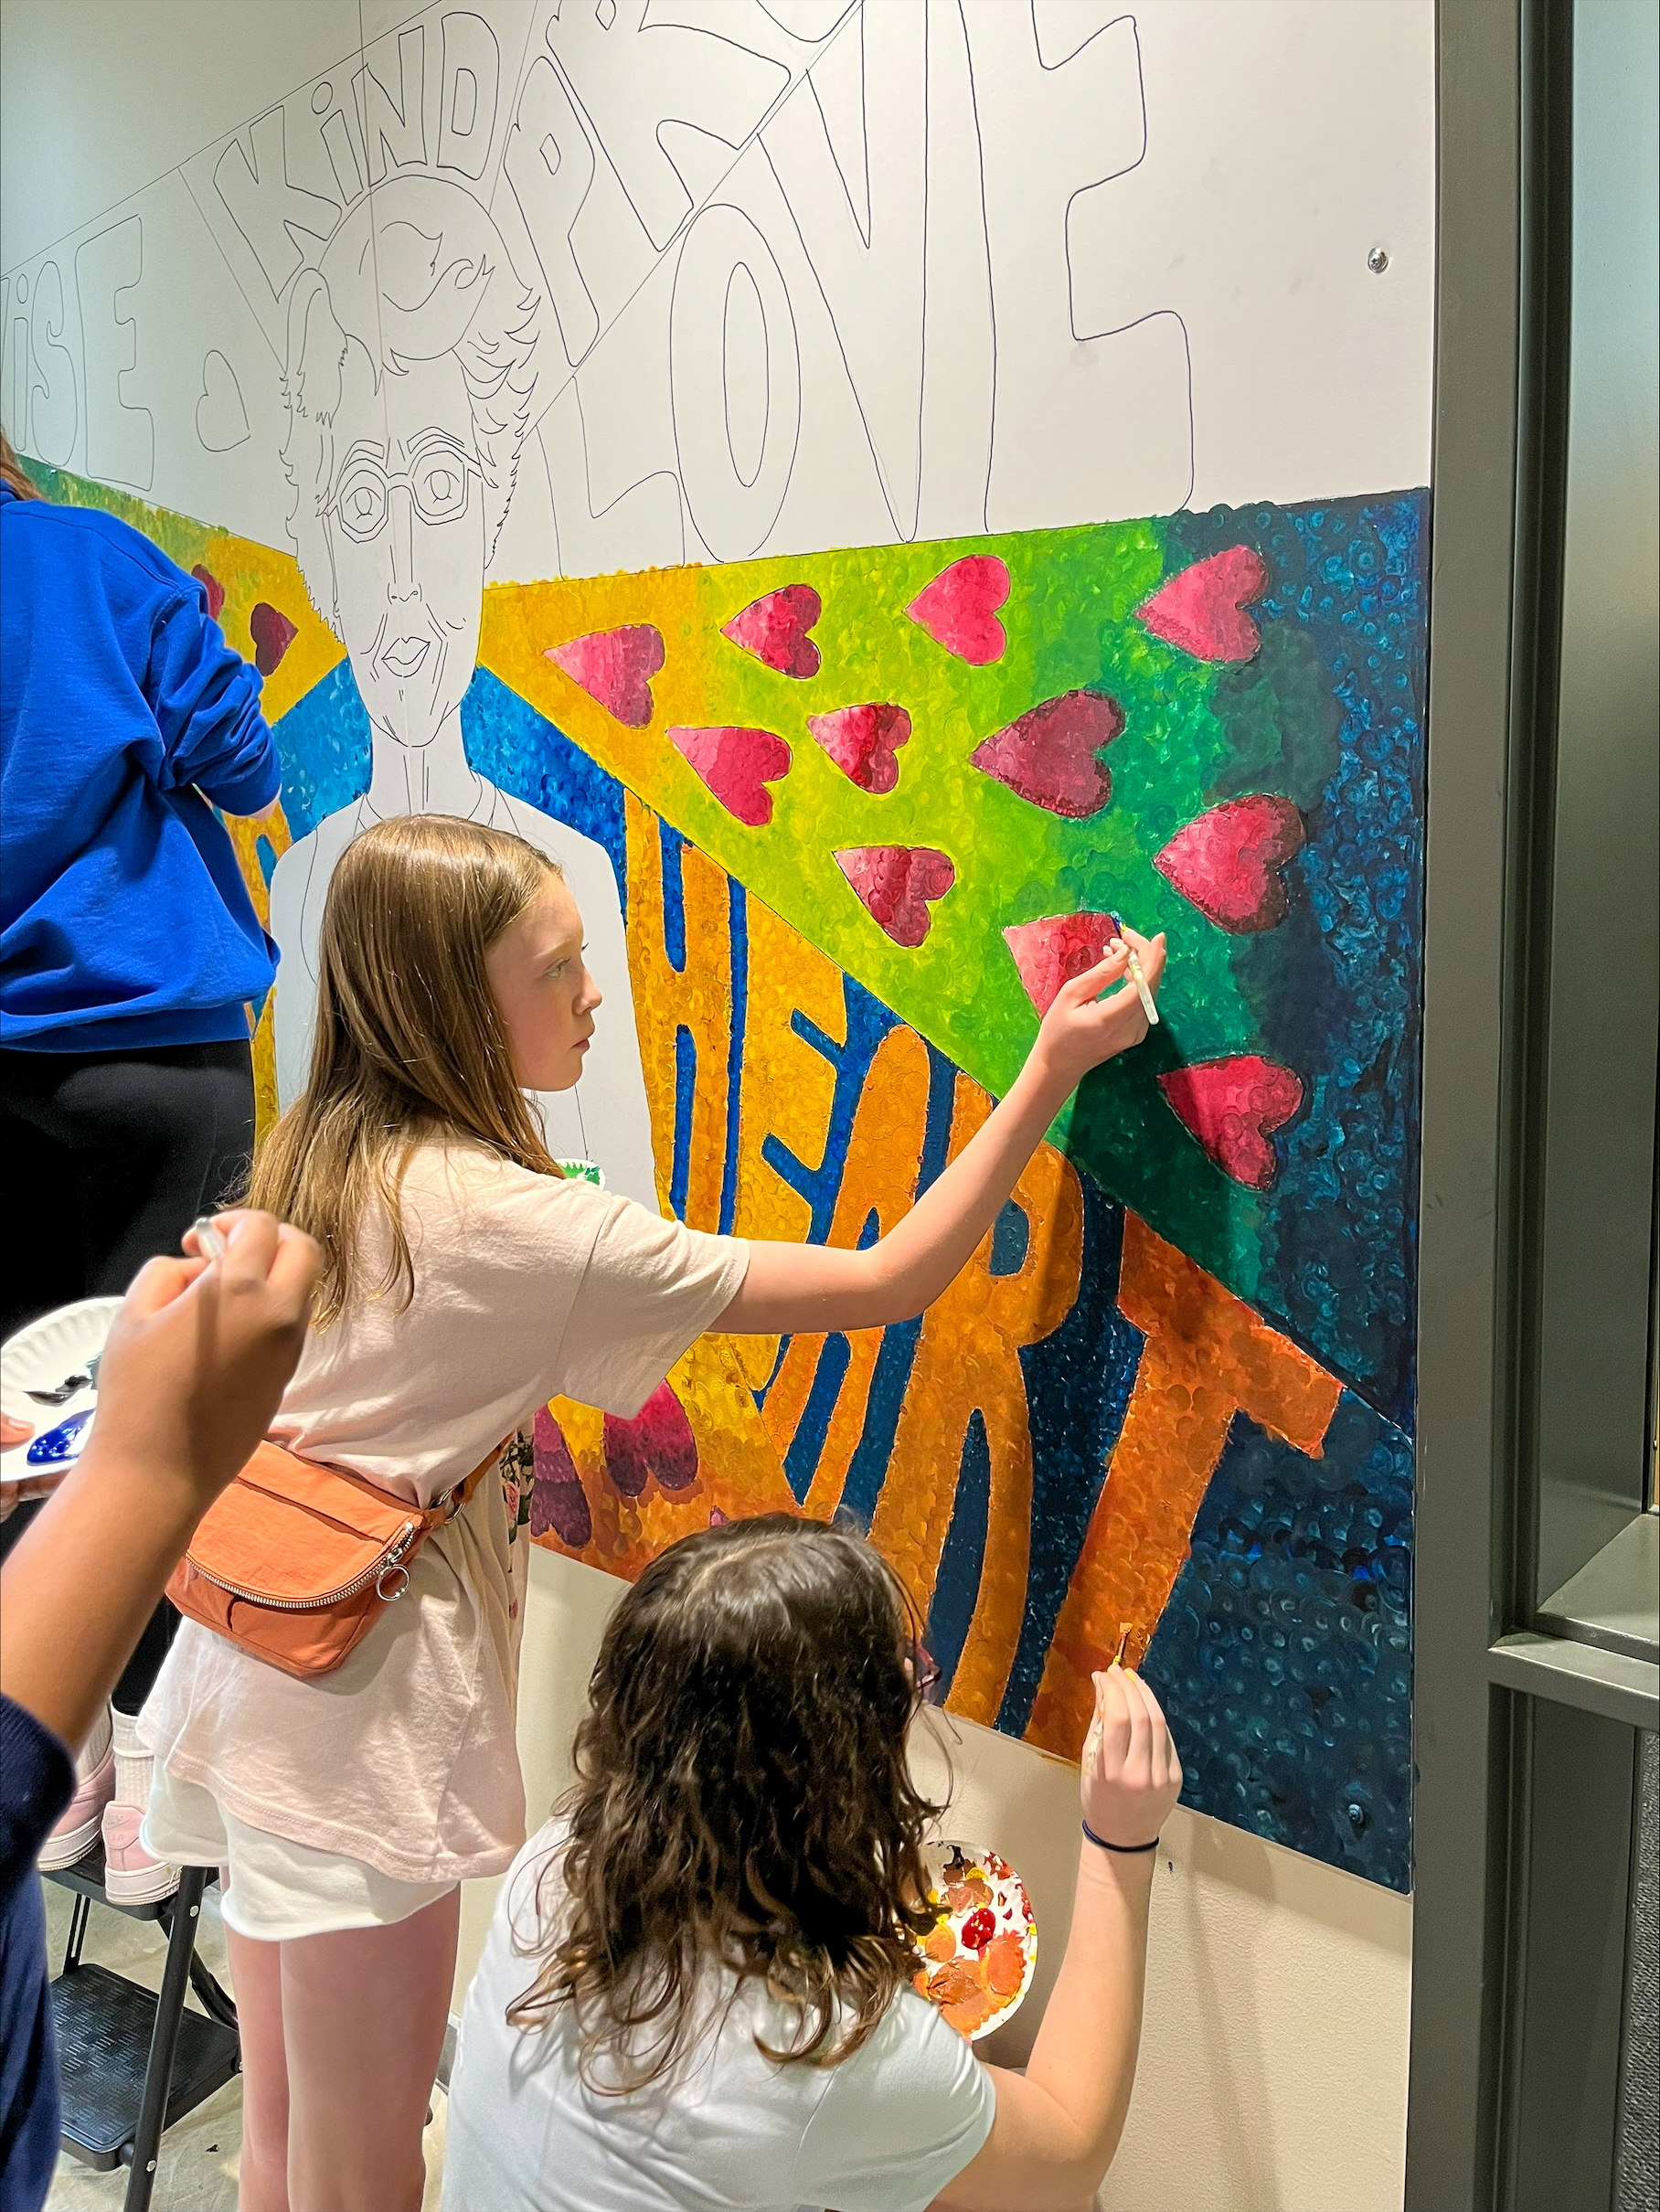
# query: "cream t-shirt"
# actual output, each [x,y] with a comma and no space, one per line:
[527,1288]
[732,2131]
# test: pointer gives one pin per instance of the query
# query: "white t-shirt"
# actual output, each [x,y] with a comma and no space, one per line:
[885,2131]
[527,1288]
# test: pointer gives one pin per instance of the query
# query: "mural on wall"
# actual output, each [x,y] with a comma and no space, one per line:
[587,467]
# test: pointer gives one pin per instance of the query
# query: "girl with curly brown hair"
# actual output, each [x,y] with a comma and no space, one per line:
[696,1991]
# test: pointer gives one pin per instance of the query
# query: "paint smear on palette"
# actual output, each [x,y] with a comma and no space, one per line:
[774,629]
[211,585]
[1233,1107]
[615,668]
[737,765]
[959,608]
[898,883]
[982,1952]
[863,741]
[658,1441]
[1202,610]
[557,1500]
[1050,953]
[1229,862]
[273,634]
[1051,754]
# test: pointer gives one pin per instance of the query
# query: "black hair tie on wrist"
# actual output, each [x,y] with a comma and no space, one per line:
[1124,1850]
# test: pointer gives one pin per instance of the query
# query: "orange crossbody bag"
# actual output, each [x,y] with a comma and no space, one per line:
[295,1562]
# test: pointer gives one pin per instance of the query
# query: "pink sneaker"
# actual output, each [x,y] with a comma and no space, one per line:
[130,1876]
[77,1831]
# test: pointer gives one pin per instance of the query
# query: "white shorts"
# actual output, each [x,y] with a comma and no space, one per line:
[278,1889]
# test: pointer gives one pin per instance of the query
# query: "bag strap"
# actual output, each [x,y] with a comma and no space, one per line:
[461,1494]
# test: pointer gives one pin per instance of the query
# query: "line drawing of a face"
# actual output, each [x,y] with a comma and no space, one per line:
[411,368]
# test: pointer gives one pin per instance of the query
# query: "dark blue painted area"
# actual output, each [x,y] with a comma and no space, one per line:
[801,1461]
[265,853]
[671,845]
[957,1584]
[1011,1240]
[1331,715]
[738,930]
[1078,1385]
[531,758]
[686,1093]
[1283,1658]
[322,742]
[868,1022]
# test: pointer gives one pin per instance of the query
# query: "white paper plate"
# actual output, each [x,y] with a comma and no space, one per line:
[982,1900]
[40,1356]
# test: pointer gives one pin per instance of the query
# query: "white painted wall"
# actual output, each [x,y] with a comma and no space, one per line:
[1274,2072]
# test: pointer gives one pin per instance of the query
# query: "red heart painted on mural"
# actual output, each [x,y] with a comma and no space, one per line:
[615,667]
[898,883]
[1203,608]
[1050,754]
[273,634]
[658,1441]
[1051,952]
[959,609]
[1232,1106]
[1228,862]
[557,1500]
[774,629]
[863,740]
[213,588]
[737,765]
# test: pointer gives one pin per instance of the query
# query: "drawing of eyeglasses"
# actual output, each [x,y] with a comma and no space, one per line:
[438,480]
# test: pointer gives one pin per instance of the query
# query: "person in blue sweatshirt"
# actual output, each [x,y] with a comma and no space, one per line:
[130,950]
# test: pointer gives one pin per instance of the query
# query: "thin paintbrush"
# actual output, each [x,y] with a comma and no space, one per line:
[1136,977]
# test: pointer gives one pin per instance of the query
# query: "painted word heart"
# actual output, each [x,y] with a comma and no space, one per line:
[1228,863]
[863,741]
[658,1441]
[615,667]
[1233,1107]
[774,629]
[1050,953]
[557,1500]
[898,883]
[737,765]
[1051,754]
[273,634]
[1203,608]
[959,609]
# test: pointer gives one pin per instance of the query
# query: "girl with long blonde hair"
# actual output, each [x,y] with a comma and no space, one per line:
[464,1282]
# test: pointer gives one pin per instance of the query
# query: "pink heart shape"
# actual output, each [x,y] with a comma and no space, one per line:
[959,609]
[1203,608]
[863,740]
[1051,952]
[737,765]
[1051,754]
[658,1441]
[615,667]
[273,634]
[557,1500]
[774,629]
[1228,861]
[213,588]
[898,883]
[1233,1106]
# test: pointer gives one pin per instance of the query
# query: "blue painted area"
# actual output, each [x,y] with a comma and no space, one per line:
[1011,1240]
[957,1585]
[1331,715]
[806,1446]
[531,758]
[1078,1386]
[738,930]
[868,1022]
[265,853]
[322,742]
[686,1093]
[1283,1657]
[671,845]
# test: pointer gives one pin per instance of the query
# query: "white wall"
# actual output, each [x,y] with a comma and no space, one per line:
[1274,2073]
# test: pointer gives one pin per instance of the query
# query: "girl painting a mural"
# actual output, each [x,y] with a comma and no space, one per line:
[465,1282]
[695,1989]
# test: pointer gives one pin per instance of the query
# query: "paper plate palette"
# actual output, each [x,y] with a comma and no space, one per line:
[982,1954]
[43,1357]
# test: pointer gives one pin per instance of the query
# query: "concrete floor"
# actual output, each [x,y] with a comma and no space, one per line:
[197,2172]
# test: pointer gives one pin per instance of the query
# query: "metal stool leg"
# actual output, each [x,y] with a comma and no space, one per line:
[170,2005]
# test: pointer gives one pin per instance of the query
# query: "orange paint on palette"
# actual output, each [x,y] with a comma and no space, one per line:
[1206,1357]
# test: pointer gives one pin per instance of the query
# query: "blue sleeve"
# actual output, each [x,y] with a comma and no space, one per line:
[35,1782]
[206,701]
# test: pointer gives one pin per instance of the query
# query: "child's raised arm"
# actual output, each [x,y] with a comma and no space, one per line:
[815,1286]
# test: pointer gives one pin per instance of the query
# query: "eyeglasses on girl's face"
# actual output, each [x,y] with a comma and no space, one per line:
[925,1676]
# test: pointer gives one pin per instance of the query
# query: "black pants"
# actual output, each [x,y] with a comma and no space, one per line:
[108,1158]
